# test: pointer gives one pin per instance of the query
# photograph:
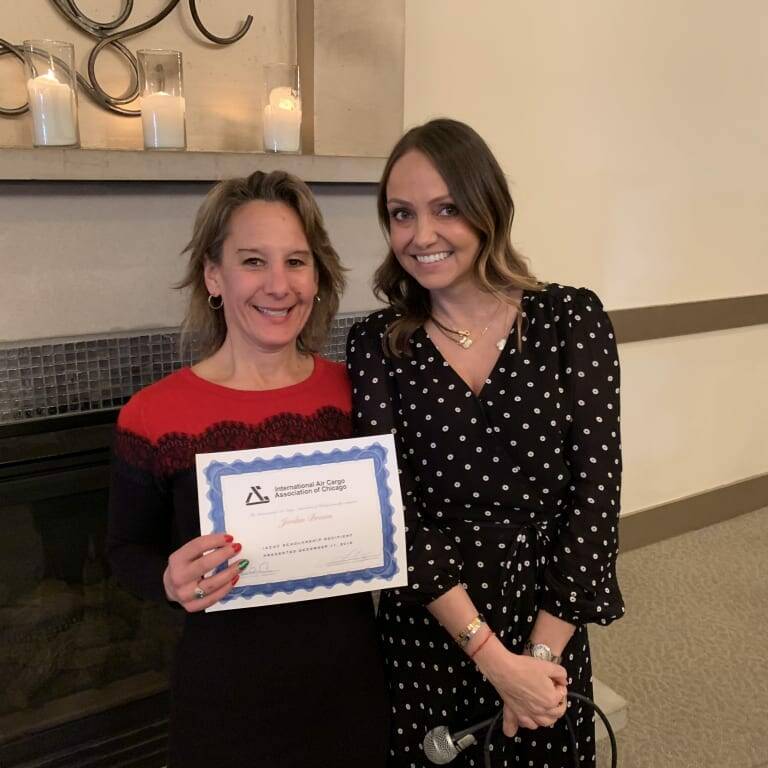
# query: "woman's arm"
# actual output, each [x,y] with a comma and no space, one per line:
[139,522]
[580,583]
[139,530]
[553,632]
[533,691]
[434,562]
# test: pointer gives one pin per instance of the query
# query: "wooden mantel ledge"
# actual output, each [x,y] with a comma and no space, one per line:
[53,164]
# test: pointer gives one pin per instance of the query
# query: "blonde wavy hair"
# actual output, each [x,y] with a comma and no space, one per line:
[208,327]
[480,192]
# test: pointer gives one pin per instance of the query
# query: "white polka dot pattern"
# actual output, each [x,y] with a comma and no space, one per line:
[513,492]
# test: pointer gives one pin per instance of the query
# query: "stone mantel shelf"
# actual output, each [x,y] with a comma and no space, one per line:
[53,164]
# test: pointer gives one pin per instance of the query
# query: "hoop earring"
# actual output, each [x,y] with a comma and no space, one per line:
[212,302]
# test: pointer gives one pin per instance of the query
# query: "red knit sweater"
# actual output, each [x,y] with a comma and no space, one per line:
[153,499]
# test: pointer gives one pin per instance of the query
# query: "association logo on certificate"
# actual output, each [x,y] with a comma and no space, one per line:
[315,520]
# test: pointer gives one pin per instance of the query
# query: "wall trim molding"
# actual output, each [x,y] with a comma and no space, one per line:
[23,164]
[653,524]
[663,321]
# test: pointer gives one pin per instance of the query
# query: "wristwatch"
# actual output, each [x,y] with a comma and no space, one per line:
[541,651]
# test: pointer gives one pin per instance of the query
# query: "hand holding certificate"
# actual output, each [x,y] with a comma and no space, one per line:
[314,520]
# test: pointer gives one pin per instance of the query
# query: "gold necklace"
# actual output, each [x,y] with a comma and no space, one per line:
[463,337]
[459,336]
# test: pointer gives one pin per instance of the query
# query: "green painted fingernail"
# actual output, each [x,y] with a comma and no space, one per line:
[242,565]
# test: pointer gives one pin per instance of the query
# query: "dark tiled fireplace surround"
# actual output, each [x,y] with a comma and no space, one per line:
[77,375]
[83,665]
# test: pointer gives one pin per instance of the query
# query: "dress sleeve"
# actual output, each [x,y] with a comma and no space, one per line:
[140,513]
[434,563]
[580,583]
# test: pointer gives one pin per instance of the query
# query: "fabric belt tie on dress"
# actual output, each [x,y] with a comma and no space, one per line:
[524,561]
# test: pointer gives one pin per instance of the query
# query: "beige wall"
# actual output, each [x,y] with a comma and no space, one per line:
[694,413]
[358,76]
[223,84]
[92,258]
[89,258]
[635,134]
[355,65]
[635,137]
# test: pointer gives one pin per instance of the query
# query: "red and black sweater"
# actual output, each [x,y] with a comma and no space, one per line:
[241,676]
[153,499]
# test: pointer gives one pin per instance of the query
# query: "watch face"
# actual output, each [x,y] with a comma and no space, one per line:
[541,651]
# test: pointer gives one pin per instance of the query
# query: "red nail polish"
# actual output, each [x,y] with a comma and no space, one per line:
[237,547]
[235,580]
[229,539]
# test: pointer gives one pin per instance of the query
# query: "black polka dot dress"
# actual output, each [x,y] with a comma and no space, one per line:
[513,493]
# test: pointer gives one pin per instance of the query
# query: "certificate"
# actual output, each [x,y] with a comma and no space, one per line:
[315,520]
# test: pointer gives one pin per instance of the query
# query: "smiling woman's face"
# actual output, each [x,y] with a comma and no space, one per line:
[267,277]
[431,239]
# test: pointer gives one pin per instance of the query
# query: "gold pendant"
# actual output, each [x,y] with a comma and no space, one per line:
[465,341]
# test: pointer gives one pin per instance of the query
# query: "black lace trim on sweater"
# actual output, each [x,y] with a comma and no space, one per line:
[175,451]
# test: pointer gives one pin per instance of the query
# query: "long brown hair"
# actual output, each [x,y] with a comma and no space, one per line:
[208,326]
[480,192]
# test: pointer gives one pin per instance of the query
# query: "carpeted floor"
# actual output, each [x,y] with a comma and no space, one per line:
[691,655]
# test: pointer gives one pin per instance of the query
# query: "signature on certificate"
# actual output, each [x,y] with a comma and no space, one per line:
[313,517]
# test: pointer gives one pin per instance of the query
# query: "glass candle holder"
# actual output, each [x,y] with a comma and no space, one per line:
[163,110]
[52,92]
[282,110]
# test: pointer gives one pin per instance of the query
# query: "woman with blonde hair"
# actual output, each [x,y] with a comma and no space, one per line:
[292,685]
[502,393]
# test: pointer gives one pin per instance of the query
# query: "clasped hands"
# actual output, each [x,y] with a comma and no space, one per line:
[534,691]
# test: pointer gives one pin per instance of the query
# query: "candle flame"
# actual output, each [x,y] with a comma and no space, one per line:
[284,98]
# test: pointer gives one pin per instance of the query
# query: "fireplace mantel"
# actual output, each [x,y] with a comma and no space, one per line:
[51,164]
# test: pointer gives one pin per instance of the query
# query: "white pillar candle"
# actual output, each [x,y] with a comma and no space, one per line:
[162,118]
[282,121]
[54,112]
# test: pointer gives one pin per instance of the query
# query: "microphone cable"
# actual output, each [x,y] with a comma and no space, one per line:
[571,732]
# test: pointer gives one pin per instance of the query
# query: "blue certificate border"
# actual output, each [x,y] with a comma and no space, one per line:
[216,470]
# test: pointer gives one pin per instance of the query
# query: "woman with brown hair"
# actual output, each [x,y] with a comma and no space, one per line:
[298,684]
[502,393]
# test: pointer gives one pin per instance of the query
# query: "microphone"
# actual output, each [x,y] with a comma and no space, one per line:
[441,746]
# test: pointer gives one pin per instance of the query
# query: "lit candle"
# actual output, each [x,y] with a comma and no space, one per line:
[282,121]
[162,117]
[54,111]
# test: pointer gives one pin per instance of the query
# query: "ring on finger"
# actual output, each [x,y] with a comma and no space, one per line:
[199,592]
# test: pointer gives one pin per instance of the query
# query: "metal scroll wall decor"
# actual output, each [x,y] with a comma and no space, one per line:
[106,34]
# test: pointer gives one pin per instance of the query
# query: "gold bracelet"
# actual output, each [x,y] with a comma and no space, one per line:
[470,631]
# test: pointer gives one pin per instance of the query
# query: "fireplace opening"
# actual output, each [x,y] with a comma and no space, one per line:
[83,664]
